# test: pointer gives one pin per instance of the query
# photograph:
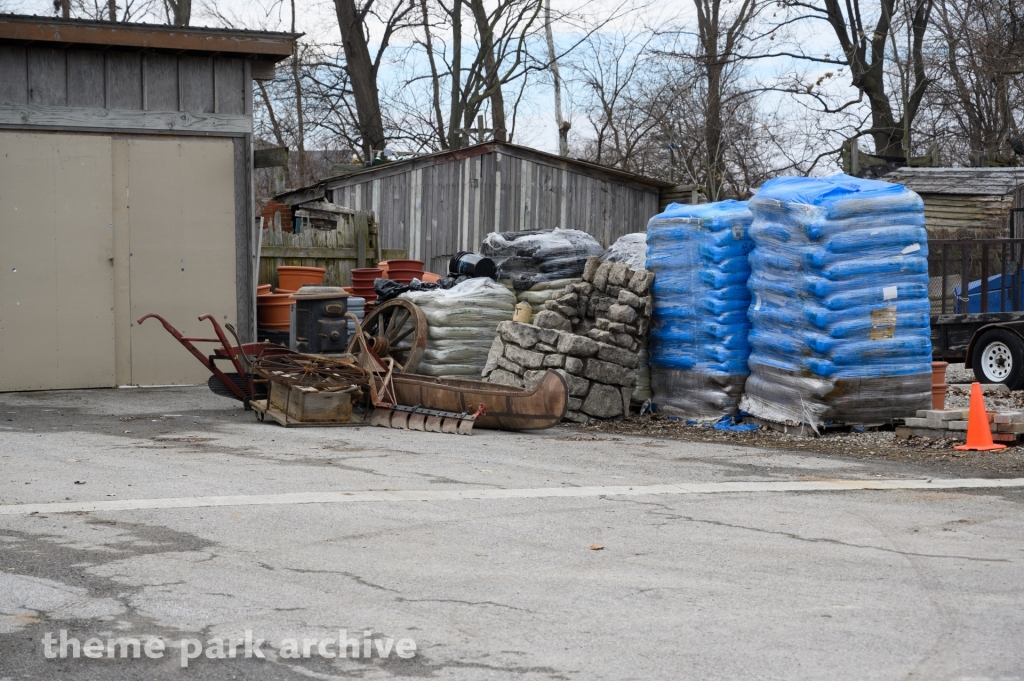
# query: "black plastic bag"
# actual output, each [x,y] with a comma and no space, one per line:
[387,289]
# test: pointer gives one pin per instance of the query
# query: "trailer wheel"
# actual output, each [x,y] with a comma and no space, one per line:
[999,358]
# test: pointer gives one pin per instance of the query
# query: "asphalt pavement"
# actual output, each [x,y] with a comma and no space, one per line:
[172,518]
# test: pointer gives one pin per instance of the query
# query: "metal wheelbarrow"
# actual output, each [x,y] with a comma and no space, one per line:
[237,384]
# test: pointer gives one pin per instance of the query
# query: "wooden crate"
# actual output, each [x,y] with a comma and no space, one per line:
[309,405]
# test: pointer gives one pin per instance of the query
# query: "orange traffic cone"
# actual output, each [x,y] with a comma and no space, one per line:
[979,433]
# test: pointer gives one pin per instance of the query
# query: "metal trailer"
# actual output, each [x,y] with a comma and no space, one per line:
[980,323]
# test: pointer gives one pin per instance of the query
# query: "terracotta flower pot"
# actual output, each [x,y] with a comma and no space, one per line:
[405,264]
[293,277]
[273,308]
[364,276]
[263,289]
[430,278]
[405,276]
[939,385]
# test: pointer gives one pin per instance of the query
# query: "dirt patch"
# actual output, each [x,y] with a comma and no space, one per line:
[937,455]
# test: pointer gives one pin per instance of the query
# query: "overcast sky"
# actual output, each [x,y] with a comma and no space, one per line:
[535,125]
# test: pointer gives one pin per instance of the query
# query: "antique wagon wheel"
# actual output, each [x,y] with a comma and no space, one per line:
[396,329]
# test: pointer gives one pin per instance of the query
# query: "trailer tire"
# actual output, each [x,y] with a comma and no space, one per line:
[998,357]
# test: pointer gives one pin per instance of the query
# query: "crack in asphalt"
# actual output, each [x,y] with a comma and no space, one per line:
[461,602]
[672,514]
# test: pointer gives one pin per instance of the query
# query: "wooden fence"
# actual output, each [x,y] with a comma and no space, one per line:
[354,242]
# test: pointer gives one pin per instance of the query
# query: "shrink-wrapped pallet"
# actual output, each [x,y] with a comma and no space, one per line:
[698,338]
[839,310]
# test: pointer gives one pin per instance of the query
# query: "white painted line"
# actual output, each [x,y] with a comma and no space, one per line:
[832,485]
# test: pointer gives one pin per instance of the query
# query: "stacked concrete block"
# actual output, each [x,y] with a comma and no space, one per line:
[591,333]
[612,305]
[951,424]
[599,375]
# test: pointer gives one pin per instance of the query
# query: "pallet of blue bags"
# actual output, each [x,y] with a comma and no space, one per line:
[806,306]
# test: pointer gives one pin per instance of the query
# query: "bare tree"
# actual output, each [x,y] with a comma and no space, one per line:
[865,47]
[563,125]
[720,38]
[362,68]
[977,58]
[616,74]
[105,10]
[179,12]
[470,75]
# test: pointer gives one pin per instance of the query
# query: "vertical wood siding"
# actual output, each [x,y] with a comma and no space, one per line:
[122,80]
[434,210]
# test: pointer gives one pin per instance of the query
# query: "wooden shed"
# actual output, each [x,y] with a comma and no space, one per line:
[959,202]
[436,205]
[125,188]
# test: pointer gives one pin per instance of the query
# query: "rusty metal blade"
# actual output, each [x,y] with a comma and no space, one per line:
[433,424]
[465,427]
[381,417]
[449,426]
[417,421]
[400,420]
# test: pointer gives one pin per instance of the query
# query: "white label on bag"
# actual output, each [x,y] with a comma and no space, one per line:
[737,231]
[889,293]
[911,248]
[757,301]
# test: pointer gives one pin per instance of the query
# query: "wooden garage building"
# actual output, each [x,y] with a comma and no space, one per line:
[967,202]
[125,188]
[435,205]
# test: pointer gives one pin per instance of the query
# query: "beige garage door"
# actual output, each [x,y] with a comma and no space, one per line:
[56,273]
[179,205]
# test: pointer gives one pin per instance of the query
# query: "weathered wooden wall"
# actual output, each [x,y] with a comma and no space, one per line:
[336,250]
[127,81]
[951,216]
[437,209]
[959,202]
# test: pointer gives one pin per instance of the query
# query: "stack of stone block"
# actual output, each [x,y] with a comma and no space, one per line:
[590,334]
[611,305]
[951,424]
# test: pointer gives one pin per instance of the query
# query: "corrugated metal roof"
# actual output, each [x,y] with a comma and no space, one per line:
[22,29]
[967,181]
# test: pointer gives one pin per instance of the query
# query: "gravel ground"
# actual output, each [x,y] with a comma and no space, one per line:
[937,455]
[882,444]
[957,373]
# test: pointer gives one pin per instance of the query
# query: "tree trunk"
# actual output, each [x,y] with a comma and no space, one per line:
[362,77]
[111,10]
[435,85]
[866,54]
[563,125]
[181,12]
[300,141]
[483,27]
[708,21]
[275,125]
[713,131]
[456,138]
